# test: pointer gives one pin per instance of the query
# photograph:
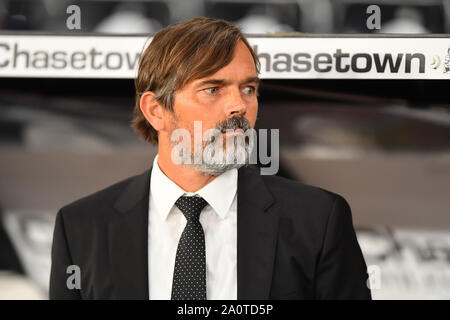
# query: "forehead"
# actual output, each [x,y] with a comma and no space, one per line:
[242,66]
[241,63]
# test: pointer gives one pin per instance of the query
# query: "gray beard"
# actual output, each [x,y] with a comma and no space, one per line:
[216,169]
[235,158]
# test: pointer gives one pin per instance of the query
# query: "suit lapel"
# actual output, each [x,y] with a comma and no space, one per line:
[127,238]
[257,227]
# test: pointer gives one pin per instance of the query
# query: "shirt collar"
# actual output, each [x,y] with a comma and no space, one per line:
[219,193]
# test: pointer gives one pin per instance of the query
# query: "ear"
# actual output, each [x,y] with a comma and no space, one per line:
[153,111]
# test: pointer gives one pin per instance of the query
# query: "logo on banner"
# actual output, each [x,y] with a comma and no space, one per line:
[435,61]
[447,61]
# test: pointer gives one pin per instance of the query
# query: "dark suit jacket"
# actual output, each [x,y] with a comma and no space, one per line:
[293,242]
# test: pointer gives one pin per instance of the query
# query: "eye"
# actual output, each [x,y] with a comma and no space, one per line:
[250,90]
[212,90]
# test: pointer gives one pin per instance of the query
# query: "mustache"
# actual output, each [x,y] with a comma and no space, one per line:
[233,124]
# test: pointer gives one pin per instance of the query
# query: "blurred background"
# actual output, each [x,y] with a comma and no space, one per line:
[382,144]
[253,16]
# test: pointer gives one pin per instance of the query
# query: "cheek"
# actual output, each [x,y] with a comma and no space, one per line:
[252,113]
[205,119]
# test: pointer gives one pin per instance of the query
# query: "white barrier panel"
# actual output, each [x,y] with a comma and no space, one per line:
[82,56]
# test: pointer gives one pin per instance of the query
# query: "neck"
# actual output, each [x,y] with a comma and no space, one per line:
[189,179]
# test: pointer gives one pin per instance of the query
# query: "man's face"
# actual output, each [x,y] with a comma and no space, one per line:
[219,99]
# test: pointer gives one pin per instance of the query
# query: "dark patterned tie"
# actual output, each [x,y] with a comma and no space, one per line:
[189,276]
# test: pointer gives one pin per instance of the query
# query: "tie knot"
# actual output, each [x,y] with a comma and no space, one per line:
[191,206]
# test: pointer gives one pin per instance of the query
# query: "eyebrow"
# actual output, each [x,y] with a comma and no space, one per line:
[224,82]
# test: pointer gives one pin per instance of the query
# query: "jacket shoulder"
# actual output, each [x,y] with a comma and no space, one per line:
[285,188]
[100,202]
[307,204]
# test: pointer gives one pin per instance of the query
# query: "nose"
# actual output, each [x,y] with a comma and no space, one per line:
[235,105]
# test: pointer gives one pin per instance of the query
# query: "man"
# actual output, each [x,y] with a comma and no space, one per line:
[204,229]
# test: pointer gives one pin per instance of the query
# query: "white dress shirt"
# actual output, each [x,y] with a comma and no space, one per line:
[167,222]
